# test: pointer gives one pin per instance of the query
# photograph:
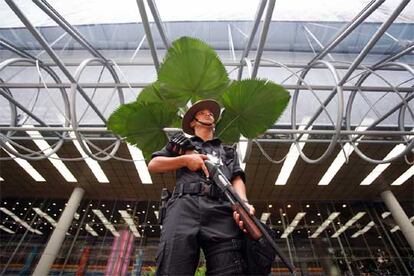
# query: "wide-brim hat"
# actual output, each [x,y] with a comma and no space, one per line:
[211,105]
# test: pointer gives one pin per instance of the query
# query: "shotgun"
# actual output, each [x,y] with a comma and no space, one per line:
[253,226]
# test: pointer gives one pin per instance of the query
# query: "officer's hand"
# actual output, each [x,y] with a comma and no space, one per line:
[236,217]
[196,161]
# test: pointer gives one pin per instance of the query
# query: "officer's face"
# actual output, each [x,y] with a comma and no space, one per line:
[205,115]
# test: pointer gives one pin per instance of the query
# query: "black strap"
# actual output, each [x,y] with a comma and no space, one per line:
[189,188]
[199,188]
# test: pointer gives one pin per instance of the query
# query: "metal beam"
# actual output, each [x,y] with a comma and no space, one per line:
[378,34]
[348,28]
[52,54]
[61,21]
[147,29]
[158,23]
[357,61]
[249,43]
[279,130]
[372,89]
[263,63]
[263,36]
[8,45]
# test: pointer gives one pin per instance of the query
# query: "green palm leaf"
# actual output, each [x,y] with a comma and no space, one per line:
[154,93]
[141,124]
[150,94]
[191,71]
[251,107]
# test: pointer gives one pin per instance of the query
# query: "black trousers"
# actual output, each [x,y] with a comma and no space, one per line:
[193,222]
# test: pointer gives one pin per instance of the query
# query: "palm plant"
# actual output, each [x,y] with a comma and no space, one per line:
[192,71]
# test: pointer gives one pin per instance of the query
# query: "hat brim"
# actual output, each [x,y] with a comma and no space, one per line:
[211,105]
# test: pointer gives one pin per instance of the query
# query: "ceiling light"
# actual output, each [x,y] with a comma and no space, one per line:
[6,229]
[45,216]
[385,214]
[340,158]
[363,230]
[292,156]
[127,218]
[53,158]
[381,167]
[90,230]
[26,166]
[264,217]
[404,177]
[18,220]
[348,224]
[325,224]
[92,164]
[293,224]
[2,179]
[108,225]
[140,164]
[307,205]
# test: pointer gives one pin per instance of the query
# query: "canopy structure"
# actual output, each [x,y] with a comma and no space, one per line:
[326,176]
[65,67]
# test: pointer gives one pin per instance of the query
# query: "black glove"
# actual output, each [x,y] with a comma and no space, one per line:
[179,144]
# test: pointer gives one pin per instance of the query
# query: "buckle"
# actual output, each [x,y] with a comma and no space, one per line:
[205,189]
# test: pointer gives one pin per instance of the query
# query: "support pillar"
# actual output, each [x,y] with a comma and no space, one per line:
[400,217]
[56,239]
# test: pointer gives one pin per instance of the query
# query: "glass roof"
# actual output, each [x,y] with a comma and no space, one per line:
[79,12]
[297,32]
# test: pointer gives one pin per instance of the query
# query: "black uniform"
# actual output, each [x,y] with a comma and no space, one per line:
[199,216]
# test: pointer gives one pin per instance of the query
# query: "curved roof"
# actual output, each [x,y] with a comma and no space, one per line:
[78,12]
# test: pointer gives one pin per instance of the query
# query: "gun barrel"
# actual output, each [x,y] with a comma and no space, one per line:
[224,184]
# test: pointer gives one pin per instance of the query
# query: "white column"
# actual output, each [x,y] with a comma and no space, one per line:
[400,217]
[58,235]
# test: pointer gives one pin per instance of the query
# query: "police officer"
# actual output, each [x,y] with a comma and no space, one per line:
[198,216]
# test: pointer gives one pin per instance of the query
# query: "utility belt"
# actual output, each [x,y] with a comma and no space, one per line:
[201,188]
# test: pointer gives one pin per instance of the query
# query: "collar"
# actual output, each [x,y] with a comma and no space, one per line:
[214,141]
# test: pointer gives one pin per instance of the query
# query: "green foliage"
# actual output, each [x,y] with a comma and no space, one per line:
[201,271]
[150,94]
[191,70]
[142,124]
[251,107]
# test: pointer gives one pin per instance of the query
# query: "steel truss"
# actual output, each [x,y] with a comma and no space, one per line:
[339,132]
